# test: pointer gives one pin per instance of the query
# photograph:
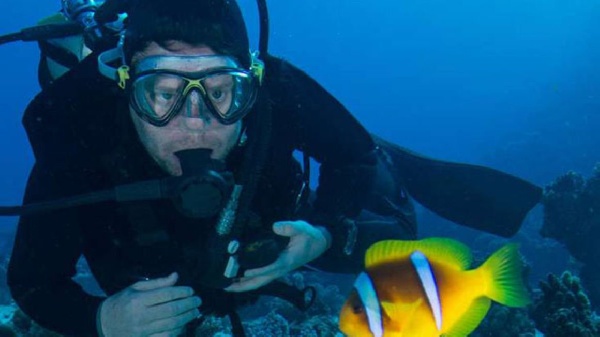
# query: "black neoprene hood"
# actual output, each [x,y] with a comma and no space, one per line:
[218,24]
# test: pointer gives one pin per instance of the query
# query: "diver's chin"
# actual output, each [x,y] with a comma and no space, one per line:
[173,166]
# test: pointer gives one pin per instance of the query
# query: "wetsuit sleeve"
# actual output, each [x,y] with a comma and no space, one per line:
[43,262]
[320,126]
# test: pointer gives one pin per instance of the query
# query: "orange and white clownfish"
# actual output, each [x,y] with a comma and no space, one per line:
[424,289]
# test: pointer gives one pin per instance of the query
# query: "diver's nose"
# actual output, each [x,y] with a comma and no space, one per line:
[195,110]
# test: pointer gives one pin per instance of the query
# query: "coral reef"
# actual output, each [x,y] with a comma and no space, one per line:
[5,297]
[502,321]
[316,326]
[272,324]
[572,217]
[13,322]
[563,309]
[213,326]
[328,298]
[271,316]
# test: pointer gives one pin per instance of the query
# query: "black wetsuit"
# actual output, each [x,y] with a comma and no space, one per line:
[84,141]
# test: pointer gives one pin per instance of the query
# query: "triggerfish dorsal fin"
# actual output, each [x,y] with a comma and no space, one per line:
[440,250]
[503,272]
[425,273]
[471,319]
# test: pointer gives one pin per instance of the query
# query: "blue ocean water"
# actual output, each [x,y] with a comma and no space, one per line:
[512,84]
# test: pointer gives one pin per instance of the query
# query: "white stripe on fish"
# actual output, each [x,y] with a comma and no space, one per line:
[423,268]
[366,291]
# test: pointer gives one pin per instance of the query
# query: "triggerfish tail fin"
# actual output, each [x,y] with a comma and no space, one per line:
[449,251]
[471,319]
[505,270]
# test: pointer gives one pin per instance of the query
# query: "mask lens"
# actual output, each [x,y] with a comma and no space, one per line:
[219,90]
[230,94]
[158,94]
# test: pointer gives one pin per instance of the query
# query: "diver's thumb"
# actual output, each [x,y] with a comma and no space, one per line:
[292,228]
[505,269]
[156,283]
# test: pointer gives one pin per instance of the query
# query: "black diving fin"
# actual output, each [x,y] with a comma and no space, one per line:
[474,196]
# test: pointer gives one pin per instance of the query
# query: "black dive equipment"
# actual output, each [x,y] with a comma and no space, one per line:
[44,32]
[204,190]
[84,17]
[200,192]
[204,187]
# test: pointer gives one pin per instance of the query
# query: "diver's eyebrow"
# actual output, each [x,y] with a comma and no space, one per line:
[366,291]
[423,269]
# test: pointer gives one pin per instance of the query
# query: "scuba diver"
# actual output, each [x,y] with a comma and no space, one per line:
[164,156]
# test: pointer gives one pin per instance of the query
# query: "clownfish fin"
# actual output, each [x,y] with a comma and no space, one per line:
[440,250]
[397,310]
[471,319]
[401,313]
[503,273]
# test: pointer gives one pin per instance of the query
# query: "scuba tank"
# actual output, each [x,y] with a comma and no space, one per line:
[67,37]
[58,55]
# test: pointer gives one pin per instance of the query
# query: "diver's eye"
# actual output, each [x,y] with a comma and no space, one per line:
[216,94]
[357,309]
[165,96]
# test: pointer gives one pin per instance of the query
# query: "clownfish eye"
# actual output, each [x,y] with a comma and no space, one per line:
[358,308]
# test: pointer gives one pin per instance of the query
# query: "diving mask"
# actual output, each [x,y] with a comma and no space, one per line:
[162,84]
[159,86]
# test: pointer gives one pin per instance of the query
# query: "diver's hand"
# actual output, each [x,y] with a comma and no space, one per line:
[307,242]
[149,308]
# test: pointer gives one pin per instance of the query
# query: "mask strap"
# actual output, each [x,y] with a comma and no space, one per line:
[120,74]
[257,67]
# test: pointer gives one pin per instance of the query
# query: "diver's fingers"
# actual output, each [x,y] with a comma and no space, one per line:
[279,268]
[161,282]
[173,308]
[266,270]
[173,326]
[250,283]
[168,294]
[290,228]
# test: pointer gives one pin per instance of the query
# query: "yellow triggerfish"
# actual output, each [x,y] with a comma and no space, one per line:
[423,289]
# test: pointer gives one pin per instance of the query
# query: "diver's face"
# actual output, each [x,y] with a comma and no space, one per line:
[191,129]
